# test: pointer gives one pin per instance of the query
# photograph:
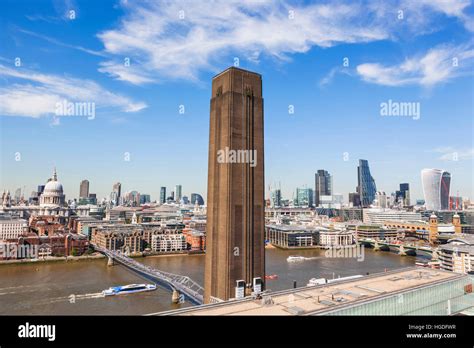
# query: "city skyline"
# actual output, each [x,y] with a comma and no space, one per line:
[156,197]
[323,109]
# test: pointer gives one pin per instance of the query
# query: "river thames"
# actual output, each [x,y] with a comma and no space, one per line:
[74,288]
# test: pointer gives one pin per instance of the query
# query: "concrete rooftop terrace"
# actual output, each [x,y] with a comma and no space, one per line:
[316,300]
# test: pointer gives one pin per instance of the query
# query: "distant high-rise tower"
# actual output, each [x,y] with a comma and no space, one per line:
[118,188]
[365,184]
[178,192]
[354,199]
[403,195]
[40,189]
[235,251]
[196,198]
[304,197]
[162,195]
[84,189]
[17,195]
[116,193]
[322,186]
[380,200]
[275,199]
[144,198]
[436,184]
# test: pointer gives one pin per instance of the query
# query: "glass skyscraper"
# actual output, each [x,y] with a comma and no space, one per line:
[366,184]
[322,186]
[162,195]
[276,198]
[196,197]
[178,193]
[304,197]
[116,193]
[436,183]
[403,195]
[144,198]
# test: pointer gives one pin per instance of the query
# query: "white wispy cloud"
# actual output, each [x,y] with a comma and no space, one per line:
[60,43]
[332,73]
[124,73]
[437,65]
[454,8]
[36,94]
[163,45]
[179,39]
[450,8]
[62,10]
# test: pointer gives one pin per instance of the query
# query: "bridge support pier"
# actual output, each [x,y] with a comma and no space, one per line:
[175,296]
[402,251]
[110,261]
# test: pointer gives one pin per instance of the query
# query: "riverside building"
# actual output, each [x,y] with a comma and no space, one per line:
[11,228]
[379,216]
[458,254]
[291,236]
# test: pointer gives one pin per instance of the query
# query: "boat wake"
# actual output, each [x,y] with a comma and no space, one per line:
[73,298]
[21,289]
[301,258]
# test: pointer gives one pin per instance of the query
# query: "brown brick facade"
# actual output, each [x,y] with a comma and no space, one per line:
[235,211]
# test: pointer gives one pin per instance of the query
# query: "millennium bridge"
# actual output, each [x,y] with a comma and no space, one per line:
[182,287]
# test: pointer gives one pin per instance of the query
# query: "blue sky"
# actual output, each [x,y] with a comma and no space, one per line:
[176,47]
